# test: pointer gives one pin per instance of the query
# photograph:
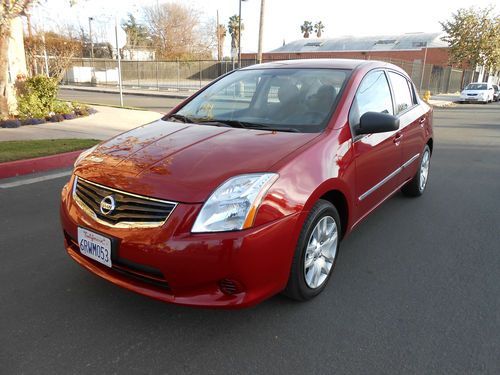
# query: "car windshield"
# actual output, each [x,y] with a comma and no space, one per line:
[297,100]
[476,86]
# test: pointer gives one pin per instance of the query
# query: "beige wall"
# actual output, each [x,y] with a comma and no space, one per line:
[17,58]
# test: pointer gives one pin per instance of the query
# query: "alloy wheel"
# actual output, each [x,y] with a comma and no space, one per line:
[320,253]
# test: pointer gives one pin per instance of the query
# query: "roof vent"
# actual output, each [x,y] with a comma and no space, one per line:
[313,44]
[419,44]
[386,41]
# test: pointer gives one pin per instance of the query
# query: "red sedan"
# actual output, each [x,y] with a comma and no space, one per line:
[247,188]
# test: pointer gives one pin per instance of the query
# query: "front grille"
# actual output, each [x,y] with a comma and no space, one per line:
[129,209]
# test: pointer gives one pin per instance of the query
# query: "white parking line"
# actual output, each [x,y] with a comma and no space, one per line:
[34,180]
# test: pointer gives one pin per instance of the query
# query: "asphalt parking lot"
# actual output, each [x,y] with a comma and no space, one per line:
[416,289]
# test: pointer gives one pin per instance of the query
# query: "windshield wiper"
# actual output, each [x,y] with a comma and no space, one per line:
[246,125]
[229,123]
[181,118]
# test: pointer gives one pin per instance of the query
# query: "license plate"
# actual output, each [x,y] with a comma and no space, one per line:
[95,246]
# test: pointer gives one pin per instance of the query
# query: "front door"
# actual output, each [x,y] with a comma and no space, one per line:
[378,155]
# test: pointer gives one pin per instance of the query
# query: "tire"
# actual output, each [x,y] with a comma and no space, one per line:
[416,186]
[318,244]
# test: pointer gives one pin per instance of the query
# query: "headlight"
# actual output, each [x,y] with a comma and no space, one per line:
[233,205]
[84,154]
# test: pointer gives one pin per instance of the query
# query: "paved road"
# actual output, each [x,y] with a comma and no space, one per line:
[416,289]
[152,103]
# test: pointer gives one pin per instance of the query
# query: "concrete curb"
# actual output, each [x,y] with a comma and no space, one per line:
[42,164]
[441,103]
[128,92]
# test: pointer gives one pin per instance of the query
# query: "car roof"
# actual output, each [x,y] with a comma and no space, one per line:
[319,63]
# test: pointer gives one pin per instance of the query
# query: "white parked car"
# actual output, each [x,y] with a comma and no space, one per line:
[477,92]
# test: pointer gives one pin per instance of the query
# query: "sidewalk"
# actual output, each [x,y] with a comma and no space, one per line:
[107,122]
[444,100]
[174,94]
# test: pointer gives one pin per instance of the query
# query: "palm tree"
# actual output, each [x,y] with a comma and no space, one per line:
[234,31]
[306,28]
[318,28]
[221,35]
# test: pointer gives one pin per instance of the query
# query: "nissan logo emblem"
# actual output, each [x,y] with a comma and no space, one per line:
[107,205]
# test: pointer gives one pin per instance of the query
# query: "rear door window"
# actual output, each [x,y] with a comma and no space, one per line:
[402,93]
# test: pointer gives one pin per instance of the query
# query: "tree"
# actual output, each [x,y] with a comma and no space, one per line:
[61,49]
[319,28]
[306,28]
[473,35]
[235,32]
[221,35]
[137,34]
[176,32]
[9,9]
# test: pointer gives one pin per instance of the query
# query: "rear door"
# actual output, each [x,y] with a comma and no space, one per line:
[412,120]
[378,155]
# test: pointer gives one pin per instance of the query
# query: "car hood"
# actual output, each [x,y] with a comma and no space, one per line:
[184,162]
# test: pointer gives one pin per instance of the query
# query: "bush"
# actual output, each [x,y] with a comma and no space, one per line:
[82,109]
[10,124]
[56,118]
[30,106]
[69,116]
[62,108]
[37,96]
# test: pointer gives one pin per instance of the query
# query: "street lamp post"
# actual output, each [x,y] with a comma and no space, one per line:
[93,79]
[90,37]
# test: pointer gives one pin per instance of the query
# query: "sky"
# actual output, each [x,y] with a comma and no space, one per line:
[282,17]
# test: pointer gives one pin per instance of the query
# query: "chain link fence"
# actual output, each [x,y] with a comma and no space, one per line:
[183,75]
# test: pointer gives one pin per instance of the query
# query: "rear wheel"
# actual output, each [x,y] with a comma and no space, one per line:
[316,252]
[416,186]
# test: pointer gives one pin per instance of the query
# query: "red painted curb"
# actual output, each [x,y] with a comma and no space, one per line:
[42,164]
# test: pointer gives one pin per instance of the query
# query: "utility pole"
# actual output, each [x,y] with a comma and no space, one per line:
[423,67]
[239,36]
[261,30]
[120,85]
[219,57]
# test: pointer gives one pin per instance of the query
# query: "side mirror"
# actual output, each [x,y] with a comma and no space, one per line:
[376,122]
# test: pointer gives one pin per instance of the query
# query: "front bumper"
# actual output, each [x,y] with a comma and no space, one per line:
[171,264]
[472,98]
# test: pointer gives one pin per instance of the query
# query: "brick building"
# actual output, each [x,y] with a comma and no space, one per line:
[414,47]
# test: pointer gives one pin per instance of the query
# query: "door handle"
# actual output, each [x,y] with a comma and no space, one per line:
[421,120]
[397,137]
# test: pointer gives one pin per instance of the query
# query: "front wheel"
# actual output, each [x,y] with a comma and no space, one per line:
[416,186]
[316,252]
